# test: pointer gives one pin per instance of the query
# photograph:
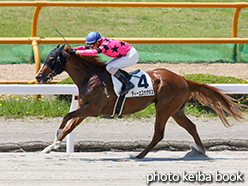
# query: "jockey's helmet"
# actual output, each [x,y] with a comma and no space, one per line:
[93,37]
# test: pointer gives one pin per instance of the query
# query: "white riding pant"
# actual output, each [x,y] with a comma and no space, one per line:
[131,58]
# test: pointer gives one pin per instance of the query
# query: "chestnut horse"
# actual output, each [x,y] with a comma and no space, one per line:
[97,97]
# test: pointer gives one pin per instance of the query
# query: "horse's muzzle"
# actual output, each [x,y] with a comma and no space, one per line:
[42,79]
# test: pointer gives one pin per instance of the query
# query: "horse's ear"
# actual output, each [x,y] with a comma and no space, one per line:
[58,45]
[61,48]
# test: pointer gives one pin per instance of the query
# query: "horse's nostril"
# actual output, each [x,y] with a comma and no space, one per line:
[38,76]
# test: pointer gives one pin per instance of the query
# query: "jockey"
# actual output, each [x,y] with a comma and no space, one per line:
[123,53]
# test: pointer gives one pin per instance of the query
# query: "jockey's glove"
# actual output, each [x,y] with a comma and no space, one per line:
[72,51]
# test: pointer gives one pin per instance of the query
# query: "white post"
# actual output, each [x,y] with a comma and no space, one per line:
[70,137]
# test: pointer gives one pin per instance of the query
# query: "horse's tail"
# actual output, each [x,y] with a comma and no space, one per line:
[213,98]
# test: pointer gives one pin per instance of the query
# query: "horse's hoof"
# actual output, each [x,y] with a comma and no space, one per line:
[132,157]
[57,144]
[46,150]
[137,157]
[195,154]
[198,149]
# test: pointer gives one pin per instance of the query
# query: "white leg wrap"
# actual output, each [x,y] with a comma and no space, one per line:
[57,144]
[48,149]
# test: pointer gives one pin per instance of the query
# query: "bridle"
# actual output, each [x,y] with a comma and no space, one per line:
[57,60]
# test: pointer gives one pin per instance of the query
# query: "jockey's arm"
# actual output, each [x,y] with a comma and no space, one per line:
[89,52]
[81,47]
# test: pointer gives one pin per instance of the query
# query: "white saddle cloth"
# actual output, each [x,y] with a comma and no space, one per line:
[142,82]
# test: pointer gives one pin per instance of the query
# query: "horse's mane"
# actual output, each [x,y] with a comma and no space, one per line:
[95,60]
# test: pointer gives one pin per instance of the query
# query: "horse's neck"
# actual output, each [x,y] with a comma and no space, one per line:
[79,71]
[76,73]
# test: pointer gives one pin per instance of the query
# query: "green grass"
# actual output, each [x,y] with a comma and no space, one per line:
[130,22]
[124,21]
[20,106]
[16,106]
[213,79]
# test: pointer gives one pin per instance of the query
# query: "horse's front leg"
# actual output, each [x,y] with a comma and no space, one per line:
[60,134]
[69,128]
[77,116]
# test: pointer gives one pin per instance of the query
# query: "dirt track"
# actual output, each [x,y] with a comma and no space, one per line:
[26,72]
[117,168]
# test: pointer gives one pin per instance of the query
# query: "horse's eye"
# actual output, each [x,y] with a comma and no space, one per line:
[51,59]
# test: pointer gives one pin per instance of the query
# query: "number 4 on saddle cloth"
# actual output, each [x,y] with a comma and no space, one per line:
[142,87]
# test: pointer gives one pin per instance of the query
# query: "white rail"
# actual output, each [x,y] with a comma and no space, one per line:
[38,89]
[46,89]
[232,88]
[73,90]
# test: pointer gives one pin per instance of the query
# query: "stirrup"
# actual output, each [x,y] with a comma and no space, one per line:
[127,89]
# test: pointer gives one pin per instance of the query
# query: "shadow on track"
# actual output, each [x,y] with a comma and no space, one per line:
[193,155]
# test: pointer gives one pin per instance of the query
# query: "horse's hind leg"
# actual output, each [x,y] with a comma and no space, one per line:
[188,125]
[161,119]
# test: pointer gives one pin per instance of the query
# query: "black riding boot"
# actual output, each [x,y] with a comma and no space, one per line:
[122,78]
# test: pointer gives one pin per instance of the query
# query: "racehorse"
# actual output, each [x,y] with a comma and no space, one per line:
[97,97]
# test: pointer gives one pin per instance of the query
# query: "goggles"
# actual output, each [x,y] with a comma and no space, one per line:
[92,45]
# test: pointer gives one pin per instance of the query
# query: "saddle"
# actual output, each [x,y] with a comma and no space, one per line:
[143,87]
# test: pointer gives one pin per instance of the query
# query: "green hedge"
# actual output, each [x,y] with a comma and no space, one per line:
[172,53]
